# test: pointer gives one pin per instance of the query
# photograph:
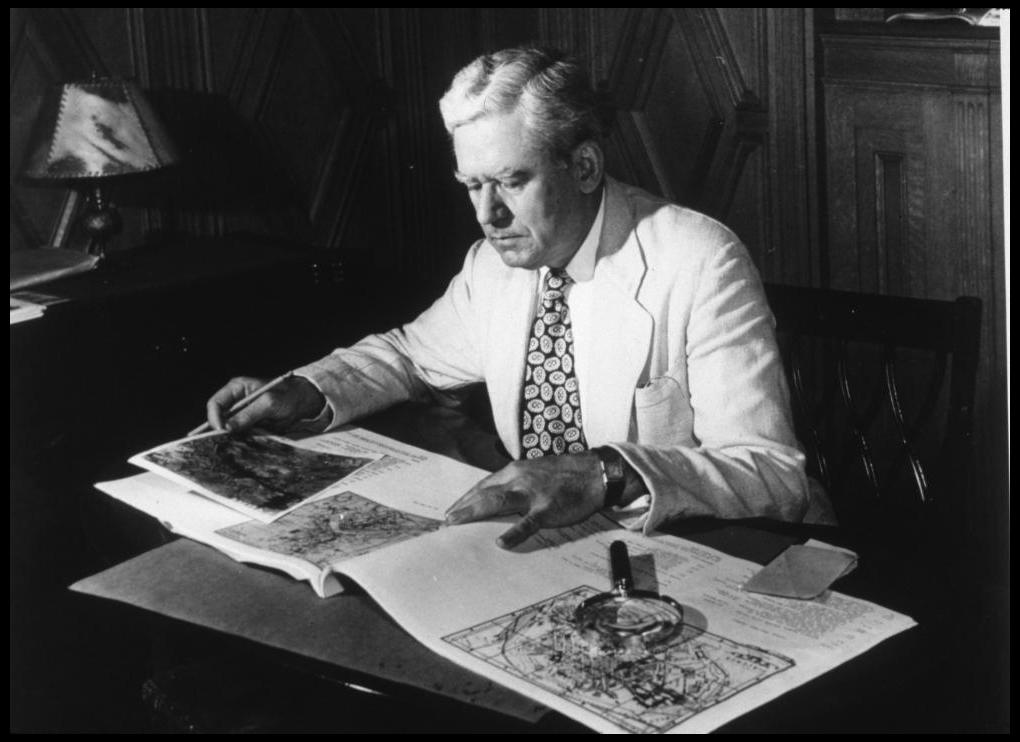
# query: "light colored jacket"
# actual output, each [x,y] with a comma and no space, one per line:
[676,361]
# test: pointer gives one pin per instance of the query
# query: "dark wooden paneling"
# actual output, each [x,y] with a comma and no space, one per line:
[715,111]
[299,123]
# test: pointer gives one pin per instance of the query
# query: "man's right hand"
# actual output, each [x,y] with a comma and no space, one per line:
[281,408]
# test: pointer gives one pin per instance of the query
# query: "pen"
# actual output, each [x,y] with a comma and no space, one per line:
[242,403]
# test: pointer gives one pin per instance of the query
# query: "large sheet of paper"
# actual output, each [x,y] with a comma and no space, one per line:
[508,617]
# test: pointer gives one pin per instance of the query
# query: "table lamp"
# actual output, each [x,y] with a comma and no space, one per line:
[100,129]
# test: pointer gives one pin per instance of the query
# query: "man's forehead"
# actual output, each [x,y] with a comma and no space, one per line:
[494,147]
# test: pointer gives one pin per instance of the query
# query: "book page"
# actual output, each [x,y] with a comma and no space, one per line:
[508,615]
[405,477]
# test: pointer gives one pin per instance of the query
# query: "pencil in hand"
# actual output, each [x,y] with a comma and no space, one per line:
[244,402]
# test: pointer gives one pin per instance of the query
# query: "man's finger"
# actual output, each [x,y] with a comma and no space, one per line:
[519,532]
[247,416]
[486,502]
[470,494]
[220,402]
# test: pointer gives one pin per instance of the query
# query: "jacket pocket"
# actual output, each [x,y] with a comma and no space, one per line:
[663,413]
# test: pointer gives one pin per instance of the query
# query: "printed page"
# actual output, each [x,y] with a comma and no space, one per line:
[406,477]
[509,617]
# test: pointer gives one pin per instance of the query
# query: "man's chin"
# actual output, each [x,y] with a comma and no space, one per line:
[515,256]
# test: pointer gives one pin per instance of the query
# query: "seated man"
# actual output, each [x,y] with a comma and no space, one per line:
[625,342]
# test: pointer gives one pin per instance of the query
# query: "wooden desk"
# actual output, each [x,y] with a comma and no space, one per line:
[913,682]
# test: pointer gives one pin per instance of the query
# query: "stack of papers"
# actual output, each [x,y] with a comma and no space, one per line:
[22,311]
[26,305]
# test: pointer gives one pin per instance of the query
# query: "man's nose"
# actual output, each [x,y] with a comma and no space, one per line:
[490,208]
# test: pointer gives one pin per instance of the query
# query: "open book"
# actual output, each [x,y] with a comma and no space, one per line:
[302,507]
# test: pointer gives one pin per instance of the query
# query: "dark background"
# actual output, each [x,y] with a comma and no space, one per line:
[846,152]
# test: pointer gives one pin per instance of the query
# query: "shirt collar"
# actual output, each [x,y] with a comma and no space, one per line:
[582,266]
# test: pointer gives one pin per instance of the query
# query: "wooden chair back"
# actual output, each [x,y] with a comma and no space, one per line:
[882,390]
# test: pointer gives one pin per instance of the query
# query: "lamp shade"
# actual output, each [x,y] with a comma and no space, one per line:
[102,128]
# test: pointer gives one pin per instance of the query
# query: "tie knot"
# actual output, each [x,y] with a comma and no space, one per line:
[557,278]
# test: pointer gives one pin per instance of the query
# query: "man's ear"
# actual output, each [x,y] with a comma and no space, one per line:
[587,163]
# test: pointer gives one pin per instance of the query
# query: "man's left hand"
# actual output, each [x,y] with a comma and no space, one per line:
[551,492]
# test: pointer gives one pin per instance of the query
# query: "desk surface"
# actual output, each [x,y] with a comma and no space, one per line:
[916,681]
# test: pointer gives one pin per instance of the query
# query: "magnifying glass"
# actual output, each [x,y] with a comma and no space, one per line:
[627,616]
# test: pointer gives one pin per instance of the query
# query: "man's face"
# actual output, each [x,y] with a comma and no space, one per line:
[528,205]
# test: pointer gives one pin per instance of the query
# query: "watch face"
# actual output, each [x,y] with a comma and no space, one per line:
[613,463]
[612,466]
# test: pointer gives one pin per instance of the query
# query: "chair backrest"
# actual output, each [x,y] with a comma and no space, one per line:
[887,431]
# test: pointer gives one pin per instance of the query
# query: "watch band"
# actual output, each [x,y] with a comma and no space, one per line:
[613,474]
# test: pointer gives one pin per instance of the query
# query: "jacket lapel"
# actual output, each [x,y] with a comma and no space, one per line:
[509,328]
[612,341]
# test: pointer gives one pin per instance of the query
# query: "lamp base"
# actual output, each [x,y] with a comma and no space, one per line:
[100,221]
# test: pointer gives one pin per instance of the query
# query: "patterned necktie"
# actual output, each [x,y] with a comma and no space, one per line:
[552,406]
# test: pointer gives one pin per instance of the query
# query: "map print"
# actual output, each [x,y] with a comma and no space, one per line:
[325,532]
[642,690]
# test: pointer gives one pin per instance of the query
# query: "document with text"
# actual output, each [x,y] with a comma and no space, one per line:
[510,617]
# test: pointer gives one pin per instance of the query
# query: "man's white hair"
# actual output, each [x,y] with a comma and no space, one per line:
[561,108]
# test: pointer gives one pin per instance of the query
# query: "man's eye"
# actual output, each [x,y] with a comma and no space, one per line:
[511,185]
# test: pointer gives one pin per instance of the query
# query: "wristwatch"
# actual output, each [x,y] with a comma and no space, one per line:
[613,474]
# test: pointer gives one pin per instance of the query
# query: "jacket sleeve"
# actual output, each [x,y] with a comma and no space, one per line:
[746,461]
[436,351]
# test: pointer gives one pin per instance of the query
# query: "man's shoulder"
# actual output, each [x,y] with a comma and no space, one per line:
[657,213]
[667,231]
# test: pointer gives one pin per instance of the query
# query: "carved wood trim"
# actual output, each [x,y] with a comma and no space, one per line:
[889,172]
[244,61]
[572,30]
[138,46]
[716,64]
[643,39]
[635,63]
[249,78]
[628,141]
[793,249]
[84,54]
[27,49]
[903,61]
[970,128]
